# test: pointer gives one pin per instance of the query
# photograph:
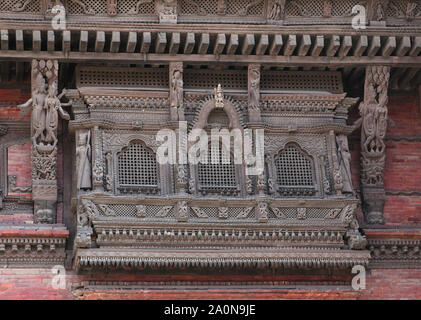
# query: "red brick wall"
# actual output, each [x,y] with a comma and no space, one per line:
[403,165]
[36,284]
[19,165]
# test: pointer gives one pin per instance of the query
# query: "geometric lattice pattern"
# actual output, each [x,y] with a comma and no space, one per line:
[293,168]
[137,167]
[9,5]
[211,7]
[315,8]
[219,174]
[302,81]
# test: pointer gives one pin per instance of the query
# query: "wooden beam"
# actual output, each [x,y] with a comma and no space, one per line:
[19,40]
[389,46]
[262,45]
[248,44]
[416,47]
[83,41]
[160,42]
[66,42]
[50,41]
[319,44]
[115,42]
[276,45]
[146,42]
[346,46]
[36,40]
[220,43]
[304,46]
[174,43]
[404,46]
[233,44]
[290,45]
[374,47]
[410,74]
[204,43]
[190,42]
[4,36]
[100,41]
[362,45]
[131,42]
[334,44]
[395,77]
[20,71]
[76,57]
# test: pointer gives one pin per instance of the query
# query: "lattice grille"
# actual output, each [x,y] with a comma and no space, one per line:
[312,8]
[199,79]
[302,81]
[11,5]
[344,7]
[293,168]
[130,211]
[137,166]
[401,5]
[188,8]
[218,175]
[98,6]
[235,6]
[124,78]
[125,7]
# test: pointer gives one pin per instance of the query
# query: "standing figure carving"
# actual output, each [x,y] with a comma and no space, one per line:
[176,91]
[83,161]
[254,86]
[46,108]
[277,10]
[344,163]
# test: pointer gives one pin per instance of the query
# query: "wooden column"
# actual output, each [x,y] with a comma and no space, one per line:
[176,91]
[373,131]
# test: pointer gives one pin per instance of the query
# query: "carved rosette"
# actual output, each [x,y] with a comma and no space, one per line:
[374,119]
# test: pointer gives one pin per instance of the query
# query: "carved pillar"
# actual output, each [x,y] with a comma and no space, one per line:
[254,93]
[98,165]
[374,117]
[176,91]
[46,108]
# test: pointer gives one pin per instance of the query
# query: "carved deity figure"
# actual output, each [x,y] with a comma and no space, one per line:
[177,89]
[222,7]
[254,87]
[277,10]
[344,163]
[378,9]
[219,97]
[83,161]
[168,7]
[112,7]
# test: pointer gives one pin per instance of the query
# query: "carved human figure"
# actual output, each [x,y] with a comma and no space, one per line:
[112,7]
[38,112]
[222,7]
[53,108]
[254,87]
[83,161]
[177,89]
[344,162]
[277,10]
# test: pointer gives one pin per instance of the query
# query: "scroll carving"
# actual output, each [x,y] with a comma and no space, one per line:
[244,11]
[21,5]
[201,11]
[136,9]
[12,186]
[86,9]
[374,117]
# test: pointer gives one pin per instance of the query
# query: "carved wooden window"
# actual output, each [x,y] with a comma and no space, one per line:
[137,169]
[294,172]
[217,177]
